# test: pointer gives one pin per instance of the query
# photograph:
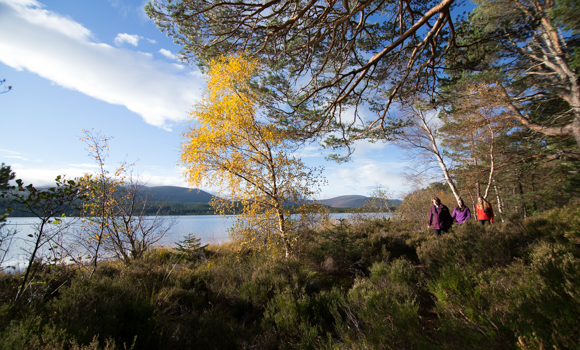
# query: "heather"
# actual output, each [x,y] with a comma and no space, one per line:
[365,284]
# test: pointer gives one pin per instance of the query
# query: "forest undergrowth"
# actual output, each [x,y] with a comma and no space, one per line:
[376,284]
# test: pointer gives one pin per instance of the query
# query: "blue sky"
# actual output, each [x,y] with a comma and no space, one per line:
[103,65]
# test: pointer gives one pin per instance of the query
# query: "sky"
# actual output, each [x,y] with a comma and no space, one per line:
[103,65]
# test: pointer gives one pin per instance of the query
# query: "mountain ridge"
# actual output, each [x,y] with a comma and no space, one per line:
[176,194]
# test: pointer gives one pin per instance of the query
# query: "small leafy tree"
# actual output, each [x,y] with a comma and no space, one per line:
[6,235]
[115,214]
[230,147]
[415,206]
[129,233]
[6,174]
[49,206]
[102,189]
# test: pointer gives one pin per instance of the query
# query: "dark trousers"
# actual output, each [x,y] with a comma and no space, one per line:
[439,232]
[484,221]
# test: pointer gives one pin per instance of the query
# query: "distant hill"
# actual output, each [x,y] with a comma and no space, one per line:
[344,201]
[185,201]
[176,194]
[351,201]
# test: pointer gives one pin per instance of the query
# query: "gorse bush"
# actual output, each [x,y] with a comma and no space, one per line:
[374,284]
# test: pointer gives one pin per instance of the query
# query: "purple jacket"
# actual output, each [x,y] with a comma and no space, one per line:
[440,218]
[461,216]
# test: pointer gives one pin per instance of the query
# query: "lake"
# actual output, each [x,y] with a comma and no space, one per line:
[211,229]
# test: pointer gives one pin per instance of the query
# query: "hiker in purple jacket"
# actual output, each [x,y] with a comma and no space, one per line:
[461,213]
[439,217]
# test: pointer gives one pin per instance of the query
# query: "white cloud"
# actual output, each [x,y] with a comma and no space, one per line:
[365,147]
[132,39]
[42,177]
[310,151]
[167,54]
[64,52]
[17,157]
[85,165]
[163,181]
[7,151]
[356,179]
[152,41]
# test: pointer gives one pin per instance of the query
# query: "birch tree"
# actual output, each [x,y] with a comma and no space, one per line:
[230,147]
[419,137]
[477,117]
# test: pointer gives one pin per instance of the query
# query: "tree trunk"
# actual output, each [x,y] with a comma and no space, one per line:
[521,192]
[440,161]
[282,228]
[473,202]
[516,207]
[491,161]
[102,223]
[31,261]
[575,127]
[499,203]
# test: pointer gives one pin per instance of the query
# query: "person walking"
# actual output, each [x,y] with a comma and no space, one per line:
[484,211]
[439,217]
[461,213]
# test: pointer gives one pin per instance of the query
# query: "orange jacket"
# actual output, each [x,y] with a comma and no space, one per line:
[481,215]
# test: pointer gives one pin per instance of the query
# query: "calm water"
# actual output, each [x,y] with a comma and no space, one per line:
[209,228]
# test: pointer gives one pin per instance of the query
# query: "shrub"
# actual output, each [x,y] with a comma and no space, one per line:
[469,245]
[383,309]
[524,304]
[302,321]
[272,278]
[105,307]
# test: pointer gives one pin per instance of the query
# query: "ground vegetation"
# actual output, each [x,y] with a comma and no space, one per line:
[379,284]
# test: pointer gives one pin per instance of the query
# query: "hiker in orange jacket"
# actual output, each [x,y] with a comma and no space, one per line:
[484,211]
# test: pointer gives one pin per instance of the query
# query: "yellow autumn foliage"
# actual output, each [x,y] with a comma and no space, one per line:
[232,148]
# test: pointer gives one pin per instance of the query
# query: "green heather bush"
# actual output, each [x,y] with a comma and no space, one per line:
[339,247]
[519,304]
[469,244]
[303,321]
[346,249]
[548,299]
[384,308]
[118,308]
[272,278]
[374,284]
[465,318]
[34,335]
[486,301]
